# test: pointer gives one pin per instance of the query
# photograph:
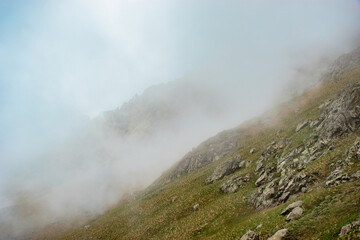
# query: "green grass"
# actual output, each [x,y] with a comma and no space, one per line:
[152,215]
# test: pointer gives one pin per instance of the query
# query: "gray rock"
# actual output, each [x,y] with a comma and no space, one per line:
[279,235]
[250,235]
[280,190]
[196,207]
[295,214]
[261,180]
[235,183]
[349,228]
[253,150]
[291,207]
[336,177]
[345,230]
[356,175]
[341,116]
[173,199]
[354,152]
[314,123]
[228,167]
[343,63]
[301,125]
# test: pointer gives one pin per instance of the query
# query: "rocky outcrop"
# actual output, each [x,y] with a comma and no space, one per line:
[235,183]
[342,64]
[279,235]
[349,228]
[354,152]
[341,116]
[280,190]
[228,167]
[210,151]
[250,235]
[301,125]
[336,177]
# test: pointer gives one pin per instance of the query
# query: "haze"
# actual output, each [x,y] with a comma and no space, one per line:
[64,63]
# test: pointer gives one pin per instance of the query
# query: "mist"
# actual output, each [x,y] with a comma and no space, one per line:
[98,98]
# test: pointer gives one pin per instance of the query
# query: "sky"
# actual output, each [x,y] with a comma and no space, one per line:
[63,63]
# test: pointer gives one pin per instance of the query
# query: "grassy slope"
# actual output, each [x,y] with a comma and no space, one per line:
[228,216]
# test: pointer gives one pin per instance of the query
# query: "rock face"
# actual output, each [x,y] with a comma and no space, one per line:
[354,152]
[341,116]
[336,177]
[228,167]
[250,235]
[343,63]
[291,207]
[279,234]
[235,183]
[210,151]
[295,214]
[338,119]
[280,190]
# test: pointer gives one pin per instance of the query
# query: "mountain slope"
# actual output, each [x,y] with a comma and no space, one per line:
[243,179]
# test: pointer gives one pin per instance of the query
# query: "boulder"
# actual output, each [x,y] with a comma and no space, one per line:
[250,235]
[261,180]
[301,125]
[345,230]
[279,234]
[295,214]
[349,228]
[291,207]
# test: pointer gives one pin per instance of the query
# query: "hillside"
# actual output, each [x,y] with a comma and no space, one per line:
[305,153]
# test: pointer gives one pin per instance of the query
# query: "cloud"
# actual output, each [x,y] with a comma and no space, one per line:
[62,63]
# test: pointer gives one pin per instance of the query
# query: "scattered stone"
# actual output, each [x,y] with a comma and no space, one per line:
[291,207]
[173,199]
[253,150]
[86,227]
[259,226]
[279,234]
[250,235]
[301,125]
[295,214]
[196,207]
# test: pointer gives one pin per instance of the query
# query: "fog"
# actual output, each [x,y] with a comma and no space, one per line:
[98,98]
